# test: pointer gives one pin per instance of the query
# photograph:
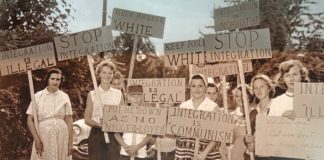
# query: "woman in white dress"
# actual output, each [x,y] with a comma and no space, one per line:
[290,71]
[54,112]
[102,146]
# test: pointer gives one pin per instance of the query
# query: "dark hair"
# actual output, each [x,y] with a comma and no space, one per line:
[285,66]
[212,85]
[198,76]
[50,72]
[248,92]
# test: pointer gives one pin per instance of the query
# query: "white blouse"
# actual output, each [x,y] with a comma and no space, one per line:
[110,97]
[51,105]
[281,104]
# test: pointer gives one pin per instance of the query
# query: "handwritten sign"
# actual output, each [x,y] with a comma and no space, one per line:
[84,43]
[221,69]
[184,52]
[282,137]
[29,58]
[134,119]
[250,44]
[190,123]
[245,14]
[137,23]
[164,90]
[308,100]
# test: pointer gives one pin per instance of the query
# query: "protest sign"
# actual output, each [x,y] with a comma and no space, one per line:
[134,119]
[239,45]
[221,69]
[84,43]
[184,52]
[205,125]
[26,59]
[282,137]
[243,15]
[164,90]
[137,23]
[308,100]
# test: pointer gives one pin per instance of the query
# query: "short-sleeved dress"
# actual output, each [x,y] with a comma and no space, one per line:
[97,146]
[53,131]
[186,146]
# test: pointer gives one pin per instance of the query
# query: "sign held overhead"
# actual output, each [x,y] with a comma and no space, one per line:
[221,69]
[184,52]
[29,58]
[84,43]
[245,14]
[137,23]
[240,45]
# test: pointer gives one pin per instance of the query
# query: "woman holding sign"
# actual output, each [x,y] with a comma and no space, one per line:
[53,141]
[263,90]
[239,148]
[208,150]
[290,71]
[102,146]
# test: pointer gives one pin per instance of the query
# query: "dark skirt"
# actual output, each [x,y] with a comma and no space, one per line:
[99,149]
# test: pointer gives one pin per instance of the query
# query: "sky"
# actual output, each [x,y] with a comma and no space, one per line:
[184,18]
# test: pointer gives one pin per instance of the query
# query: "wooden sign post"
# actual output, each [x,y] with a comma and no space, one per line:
[239,45]
[27,59]
[138,24]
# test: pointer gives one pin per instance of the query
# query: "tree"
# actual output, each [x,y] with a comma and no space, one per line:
[31,22]
[291,22]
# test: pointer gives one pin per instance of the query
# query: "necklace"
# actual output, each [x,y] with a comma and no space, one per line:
[289,94]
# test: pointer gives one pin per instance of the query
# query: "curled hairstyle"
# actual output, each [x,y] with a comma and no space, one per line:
[248,92]
[285,66]
[51,71]
[103,64]
[268,81]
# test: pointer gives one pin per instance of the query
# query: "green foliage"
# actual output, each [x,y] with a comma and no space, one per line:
[293,26]
[15,138]
[31,22]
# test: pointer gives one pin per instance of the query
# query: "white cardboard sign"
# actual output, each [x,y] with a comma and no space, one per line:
[137,23]
[135,119]
[164,90]
[216,126]
[282,137]
[84,43]
[221,69]
[308,100]
[239,45]
[29,58]
[184,52]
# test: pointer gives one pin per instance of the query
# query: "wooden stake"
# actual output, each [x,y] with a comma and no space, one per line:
[245,103]
[131,66]
[32,95]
